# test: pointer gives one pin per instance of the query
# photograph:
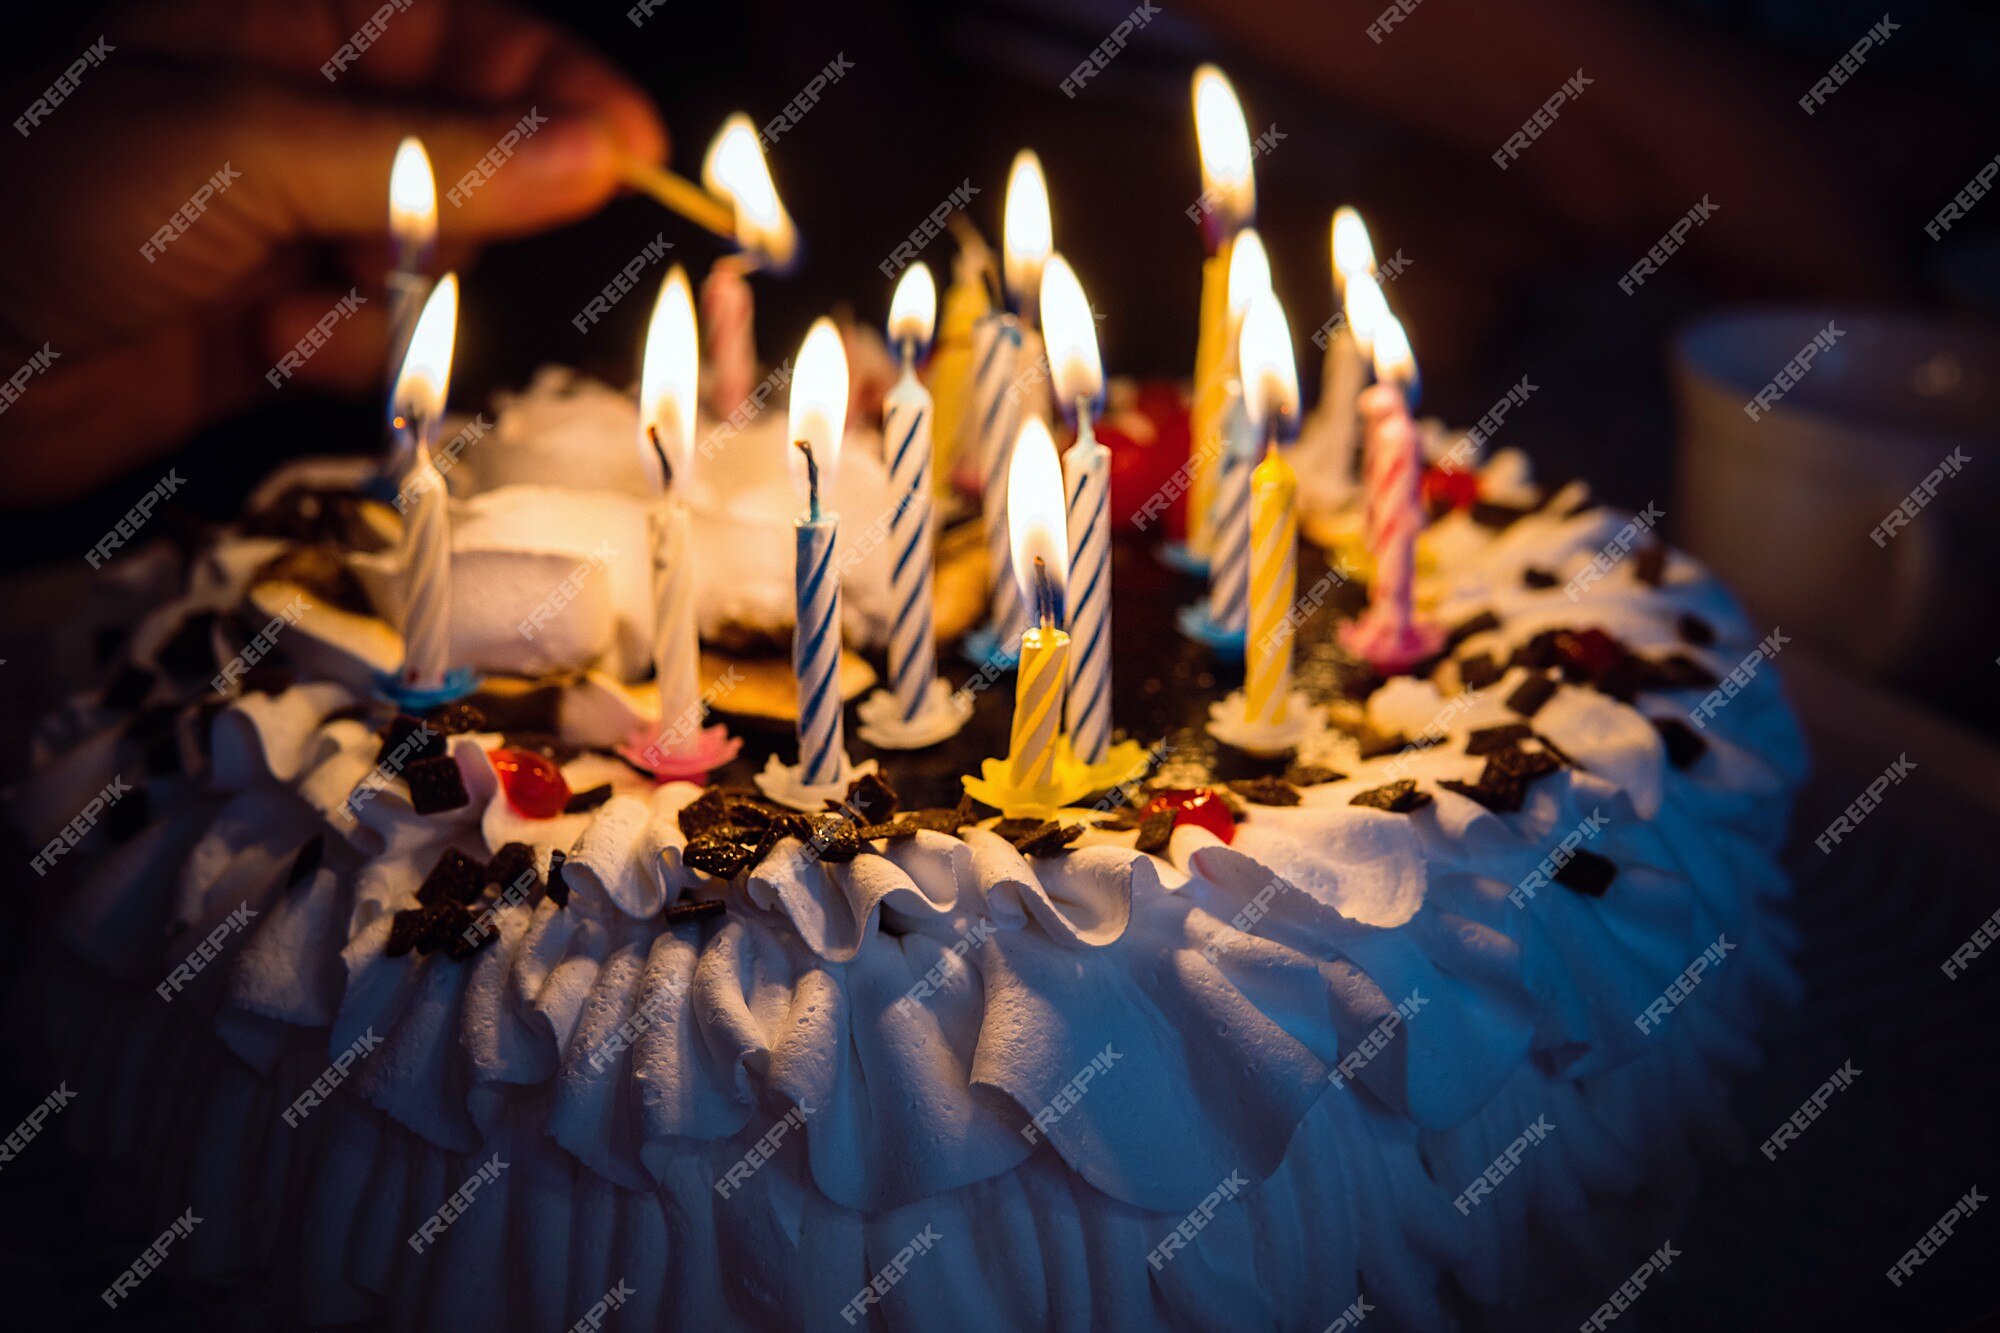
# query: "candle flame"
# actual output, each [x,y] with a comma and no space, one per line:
[819,402]
[424,382]
[1394,361]
[1353,251]
[1071,330]
[913,309]
[413,201]
[1036,526]
[1224,141]
[1270,374]
[736,170]
[668,373]
[1026,234]
[1366,312]
[1249,271]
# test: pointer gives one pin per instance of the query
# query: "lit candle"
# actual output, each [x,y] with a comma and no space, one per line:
[421,392]
[1228,203]
[1229,561]
[966,304]
[906,435]
[1038,559]
[1270,399]
[413,232]
[818,419]
[1388,633]
[1346,371]
[667,387]
[1367,312]
[1001,354]
[1079,385]
[735,170]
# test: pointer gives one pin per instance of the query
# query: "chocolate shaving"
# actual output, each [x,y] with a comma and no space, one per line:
[695,911]
[456,878]
[1694,630]
[1587,873]
[716,854]
[436,786]
[558,886]
[1677,671]
[1050,839]
[833,838]
[1265,791]
[1156,832]
[1651,564]
[1465,629]
[946,821]
[872,799]
[1486,740]
[1399,797]
[1538,578]
[1529,696]
[306,863]
[1312,775]
[1684,747]
[588,799]
[1513,762]
[1479,670]
[1503,799]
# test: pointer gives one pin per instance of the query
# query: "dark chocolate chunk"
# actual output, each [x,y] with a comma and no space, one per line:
[716,854]
[1513,762]
[129,688]
[1538,578]
[1488,739]
[1678,671]
[1156,832]
[1479,670]
[407,928]
[588,799]
[1651,564]
[1465,629]
[190,649]
[1265,791]
[413,737]
[454,718]
[1311,775]
[474,934]
[1374,744]
[1539,652]
[436,786]
[558,886]
[456,878]
[1504,798]
[307,861]
[832,838]
[1587,873]
[1051,839]
[514,864]
[1013,830]
[1398,797]
[1693,629]
[946,821]
[1684,747]
[695,911]
[445,930]
[1487,514]
[1529,696]
[894,830]
[872,799]
[128,816]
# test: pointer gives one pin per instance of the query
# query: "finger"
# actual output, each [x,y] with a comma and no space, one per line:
[325,339]
[323,165]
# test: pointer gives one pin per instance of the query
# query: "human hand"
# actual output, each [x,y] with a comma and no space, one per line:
[155,334]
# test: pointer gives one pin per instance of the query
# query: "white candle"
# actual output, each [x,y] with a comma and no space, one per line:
[1078,376]
[421,392]
[1229,563]
[906,436]
[413,232]
[818,418]
[996,421]
[667,380]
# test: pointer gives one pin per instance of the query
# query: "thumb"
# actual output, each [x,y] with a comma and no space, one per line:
[324,163]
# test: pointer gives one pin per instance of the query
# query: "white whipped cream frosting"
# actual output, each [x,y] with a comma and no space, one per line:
[909,1035]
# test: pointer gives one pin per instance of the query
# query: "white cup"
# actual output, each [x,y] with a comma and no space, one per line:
[1786,500]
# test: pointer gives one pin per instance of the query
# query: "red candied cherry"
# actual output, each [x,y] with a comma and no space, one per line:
[1591,651]
[1450,488]
[534,785]
[1199,806]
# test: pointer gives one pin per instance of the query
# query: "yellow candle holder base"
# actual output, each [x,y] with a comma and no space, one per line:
[1074,780]
[1229,722]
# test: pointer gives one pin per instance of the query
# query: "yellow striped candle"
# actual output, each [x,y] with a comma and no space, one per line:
[1211,362]
[1228,202]
[1274,529]
[1041,562]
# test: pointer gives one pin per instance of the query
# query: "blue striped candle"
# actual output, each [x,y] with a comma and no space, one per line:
[1229,563]
[906,433]
[996,421]
[1087,480]
[816,650]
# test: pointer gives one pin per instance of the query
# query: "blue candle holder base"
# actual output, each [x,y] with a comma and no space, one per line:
[1180,556]
[1195,622]
[983,649]
[458,682]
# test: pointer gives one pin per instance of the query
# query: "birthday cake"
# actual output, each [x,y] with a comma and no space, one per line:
[462,1021]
